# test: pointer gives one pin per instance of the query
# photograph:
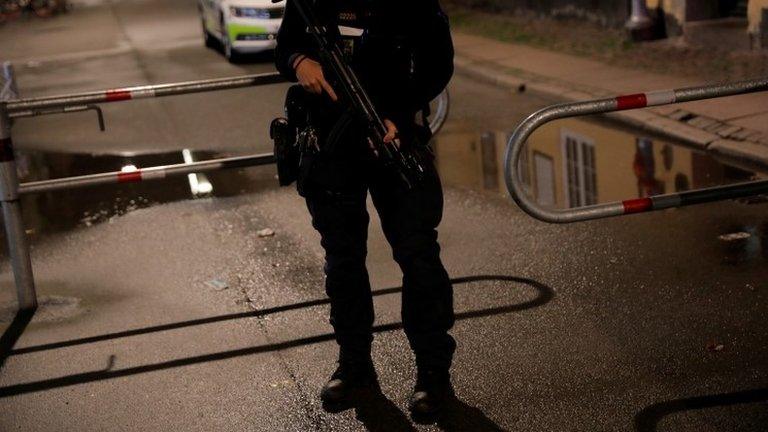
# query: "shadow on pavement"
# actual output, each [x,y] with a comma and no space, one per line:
[13,333]
[460,416]
[648,419]
[545,295]
[379,414]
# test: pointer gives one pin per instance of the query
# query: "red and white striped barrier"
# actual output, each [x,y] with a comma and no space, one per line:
[621,103]
[116,95]
[141,92]
[642,100]
[145,174]
[10,189]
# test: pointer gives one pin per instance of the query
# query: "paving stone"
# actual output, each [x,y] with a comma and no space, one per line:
[754,136]
[727,132]
[715,127]
[679,115]
[743,134]
[701,122]
[665,110]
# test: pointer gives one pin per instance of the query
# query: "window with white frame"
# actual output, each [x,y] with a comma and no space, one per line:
[544,172]
[580,174]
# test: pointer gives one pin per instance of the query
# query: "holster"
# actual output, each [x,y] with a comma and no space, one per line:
[286,151]
[284,131]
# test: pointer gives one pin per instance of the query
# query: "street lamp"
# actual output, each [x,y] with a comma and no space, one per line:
[640,24]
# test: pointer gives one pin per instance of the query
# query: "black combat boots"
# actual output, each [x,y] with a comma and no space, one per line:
[433,389]
[354,373]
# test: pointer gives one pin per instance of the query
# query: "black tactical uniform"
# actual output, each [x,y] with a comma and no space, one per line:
[391,46]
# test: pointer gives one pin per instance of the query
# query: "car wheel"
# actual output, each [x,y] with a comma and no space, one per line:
[209,40]
[229,52]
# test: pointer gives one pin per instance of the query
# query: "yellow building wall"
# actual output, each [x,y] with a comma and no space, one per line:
[547,142]
[614,157]
[755,14]
[613,163]
[459,158]
[676,8]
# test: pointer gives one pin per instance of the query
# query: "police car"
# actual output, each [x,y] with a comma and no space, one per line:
[240,26]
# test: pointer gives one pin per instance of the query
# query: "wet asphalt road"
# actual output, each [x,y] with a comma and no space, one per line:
[600,326]
[136,43]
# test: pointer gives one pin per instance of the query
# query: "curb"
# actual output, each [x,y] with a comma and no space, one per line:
[712,136]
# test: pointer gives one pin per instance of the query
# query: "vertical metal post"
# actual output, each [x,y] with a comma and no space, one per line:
[640,24]
[8,88]
[18,246]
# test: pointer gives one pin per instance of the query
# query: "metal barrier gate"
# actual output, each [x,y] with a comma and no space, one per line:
[622,103]
[11,190]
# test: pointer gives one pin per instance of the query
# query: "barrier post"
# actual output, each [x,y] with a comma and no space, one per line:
[18,246]
[8,88]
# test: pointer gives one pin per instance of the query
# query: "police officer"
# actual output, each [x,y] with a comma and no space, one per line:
[403,54]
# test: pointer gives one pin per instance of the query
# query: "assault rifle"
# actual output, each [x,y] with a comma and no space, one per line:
[405,165]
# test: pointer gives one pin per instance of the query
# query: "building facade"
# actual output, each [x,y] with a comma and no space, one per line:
[609,13]
[574,163]
[731,24]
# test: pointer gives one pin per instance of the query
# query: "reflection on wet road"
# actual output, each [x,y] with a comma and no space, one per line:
[652,317]
[573,163]
[579,162]
[50,212]
[568,163]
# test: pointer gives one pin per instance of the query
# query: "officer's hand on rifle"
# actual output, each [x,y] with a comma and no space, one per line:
[391,131]
[311,77]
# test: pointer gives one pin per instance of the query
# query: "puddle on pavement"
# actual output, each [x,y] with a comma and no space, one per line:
[51,212]
[568,163]
[573,163]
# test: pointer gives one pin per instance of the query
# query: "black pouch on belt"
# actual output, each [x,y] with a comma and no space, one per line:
[286,151]
[284,131]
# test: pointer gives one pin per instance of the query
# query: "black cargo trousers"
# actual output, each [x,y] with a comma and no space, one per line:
[409,218]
